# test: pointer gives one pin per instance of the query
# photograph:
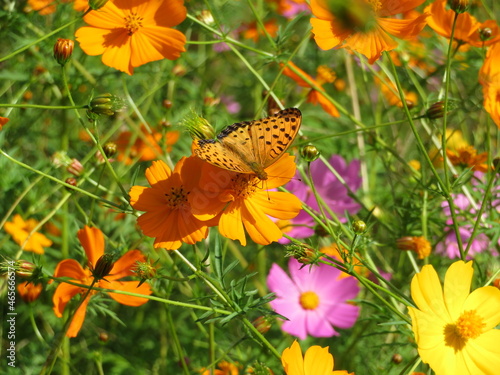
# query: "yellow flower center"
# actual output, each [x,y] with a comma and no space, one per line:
[309,300]
[376,5]
[177,197]
[468,326]
[133,22]
[325,74]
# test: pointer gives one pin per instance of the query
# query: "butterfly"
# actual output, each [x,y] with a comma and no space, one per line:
[252,146]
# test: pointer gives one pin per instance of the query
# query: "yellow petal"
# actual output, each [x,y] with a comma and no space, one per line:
[292,360]
[318,361]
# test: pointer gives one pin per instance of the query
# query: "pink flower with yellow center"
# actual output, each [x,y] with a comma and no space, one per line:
[314,299]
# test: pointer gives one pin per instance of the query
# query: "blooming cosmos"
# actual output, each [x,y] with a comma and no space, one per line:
[363,26]
[314,299]
[223,368]
[454,328]
[324,75]
[29,291]
[169,217]
[20,230]
[92,241]
[332,192]
[317,361]
[45,7]
[489,78]
[130,33]
[467,28]
[144,147]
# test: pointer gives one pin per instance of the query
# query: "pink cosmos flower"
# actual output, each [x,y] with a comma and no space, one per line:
[314,299]
[329,188]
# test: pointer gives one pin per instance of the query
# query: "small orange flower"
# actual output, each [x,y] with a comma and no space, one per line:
[467,28]
[45,7]
[420,245]
[223,368]
[467,157]
[3,121]
[169,217]
[130,33]
[391,94]
[92,241]
[251,31]
[489,78]
[20,230]
[146,146]
[363,26]
[325,75]
[245,201]
[29,291]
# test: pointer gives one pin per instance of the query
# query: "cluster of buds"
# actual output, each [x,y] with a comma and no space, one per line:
[73,166]
[303,253]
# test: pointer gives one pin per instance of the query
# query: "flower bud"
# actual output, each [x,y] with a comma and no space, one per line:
[485,34]
[435,111]
[263,324]
[459,6]
[198,127]
[103,337]
[71,181]
[179,70]
[75,167]
[110,149]
[103,266]
[309,153]
[303,253]
[145,271]
[63,49]
[358,226]
[206,17]
[105,104]
[167,104]
[25,269]
[397,358]
[97,4]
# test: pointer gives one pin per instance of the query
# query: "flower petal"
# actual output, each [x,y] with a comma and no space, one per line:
[128,286]
[318,361]
[292,360]
[372,43]
[92,241]
[457,284]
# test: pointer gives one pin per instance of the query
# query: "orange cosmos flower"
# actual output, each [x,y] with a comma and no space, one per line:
[223,368]
[169,218]
[45,7]
[130,33]
[467,29]
[92,241]
[245,202]
[146,146]
[362,26]
[489,77]
[390,92]
[325,75]
[251,31]
[20,230]
[468,157]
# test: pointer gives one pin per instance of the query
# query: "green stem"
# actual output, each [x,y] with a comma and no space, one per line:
[39,106]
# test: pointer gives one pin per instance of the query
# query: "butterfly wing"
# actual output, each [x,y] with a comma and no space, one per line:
[252,146]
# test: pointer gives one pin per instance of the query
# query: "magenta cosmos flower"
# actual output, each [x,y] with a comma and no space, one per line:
[329,188]
[314,299]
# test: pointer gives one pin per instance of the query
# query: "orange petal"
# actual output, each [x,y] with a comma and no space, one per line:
[230,224]
[72,269]
[63,294]
[391,7]
[158,173]
[328,106]
[292,70]
[118,51]
[260,227]
[124,266]
[372,43]
[280,172]
[128,286]
[403,29]
[326,34]
[173,8]
[108,17]
[78,319]
[156,43]
[92,241]
[278,204]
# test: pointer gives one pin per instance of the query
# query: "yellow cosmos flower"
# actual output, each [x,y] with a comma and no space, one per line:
[454,329]
[130,33]
[317,361]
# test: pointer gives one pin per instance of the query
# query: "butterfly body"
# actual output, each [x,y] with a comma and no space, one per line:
[252,146]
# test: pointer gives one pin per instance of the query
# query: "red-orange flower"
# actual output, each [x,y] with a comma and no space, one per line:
[169,217]
[363,26]
[29,291]
[145,147]
[3,121]
[489,77]
[468,157]
[223,368]
[45,7]
[245,202]
[20,230]
[325,75]
[92,241]
[467,28]
[252,31]
[130,33]
[390,92]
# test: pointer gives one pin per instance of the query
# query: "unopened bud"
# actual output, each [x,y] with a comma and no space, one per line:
[303,253]
[103,337]
[206,17]
[105,104]
[145,271]
[397,358]
[25,269]
[103,266]
[358,226]
[198,127]
[459,6]
[179,70]
[167,103]
[436,110]
[71,181]
[63,49]
[309,153]
[485,33]
[75,167]
[263,324]
[110,149]
[29,291]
